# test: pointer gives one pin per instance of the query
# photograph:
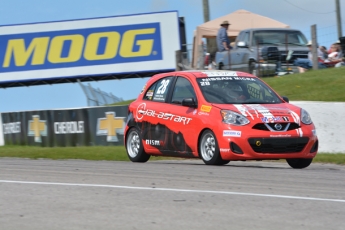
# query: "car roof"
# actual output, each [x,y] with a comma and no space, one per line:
[215,73]
[201,74]
[271,29]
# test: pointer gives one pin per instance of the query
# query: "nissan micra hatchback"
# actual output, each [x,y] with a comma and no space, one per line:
[218,116]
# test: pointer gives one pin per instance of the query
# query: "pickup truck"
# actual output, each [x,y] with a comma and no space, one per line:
[264,51]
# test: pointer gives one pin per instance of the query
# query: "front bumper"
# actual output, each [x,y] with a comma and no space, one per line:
[270,69]
[265,69]
[265,145]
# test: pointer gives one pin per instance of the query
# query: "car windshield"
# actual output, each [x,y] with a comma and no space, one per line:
[236,90]
[278,37]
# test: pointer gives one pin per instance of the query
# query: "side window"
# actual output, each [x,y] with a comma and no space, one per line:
[161,89]
[246,38]
[149,93]
[257,39]
[258,92]
[300,38]
[254,91]
[240,37]
[183,89]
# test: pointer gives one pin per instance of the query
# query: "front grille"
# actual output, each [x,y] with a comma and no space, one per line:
[278,145]
[260,126]
[293,126]
[269,54]
[295,52]
[271,126]
[295,55]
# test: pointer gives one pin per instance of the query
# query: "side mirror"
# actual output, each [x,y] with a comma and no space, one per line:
[285,99]
[242,44]
[189,102]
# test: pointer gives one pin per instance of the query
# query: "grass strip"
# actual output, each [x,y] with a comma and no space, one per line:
[315,85]
[111,153]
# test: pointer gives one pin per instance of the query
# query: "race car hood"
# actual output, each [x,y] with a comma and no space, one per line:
[267,113]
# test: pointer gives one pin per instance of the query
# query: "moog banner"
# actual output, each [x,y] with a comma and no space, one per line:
[73,127]
[89,47]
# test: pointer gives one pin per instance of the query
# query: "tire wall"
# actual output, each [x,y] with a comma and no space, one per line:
[59,128]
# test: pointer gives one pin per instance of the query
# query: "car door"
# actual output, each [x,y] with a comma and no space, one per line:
[153,119]
[182,121]
[233,55]
[241,55]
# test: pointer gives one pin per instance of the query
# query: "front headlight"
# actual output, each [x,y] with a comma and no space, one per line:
[230,117]
[305,117]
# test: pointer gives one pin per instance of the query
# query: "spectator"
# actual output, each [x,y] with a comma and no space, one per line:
[304,64]
[342,45]
[338,43]
[340,64]
[223,41]
[340,55]
[330,48]
[324,52]
[335,55]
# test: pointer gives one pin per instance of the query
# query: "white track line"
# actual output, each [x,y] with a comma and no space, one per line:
[174,190]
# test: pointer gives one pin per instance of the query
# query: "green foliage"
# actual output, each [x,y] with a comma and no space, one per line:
[88,153]
[331,158]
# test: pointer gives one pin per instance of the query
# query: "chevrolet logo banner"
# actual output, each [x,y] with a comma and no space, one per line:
[92,126]
[37,128]
[110,126]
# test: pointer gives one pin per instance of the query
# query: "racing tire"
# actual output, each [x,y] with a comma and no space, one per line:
[134,146]
[299,163]
[209,150]
[223,162]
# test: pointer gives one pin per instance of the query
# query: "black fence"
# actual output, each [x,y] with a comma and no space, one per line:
[72,127]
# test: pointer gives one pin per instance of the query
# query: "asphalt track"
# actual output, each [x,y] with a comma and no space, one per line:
[176,194]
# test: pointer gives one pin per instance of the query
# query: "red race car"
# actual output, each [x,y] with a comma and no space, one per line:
[218,116]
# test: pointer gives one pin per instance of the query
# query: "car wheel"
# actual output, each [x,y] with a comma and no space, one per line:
[252,69]
[209,150]
[299,163]
[134,146]
[223,162]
